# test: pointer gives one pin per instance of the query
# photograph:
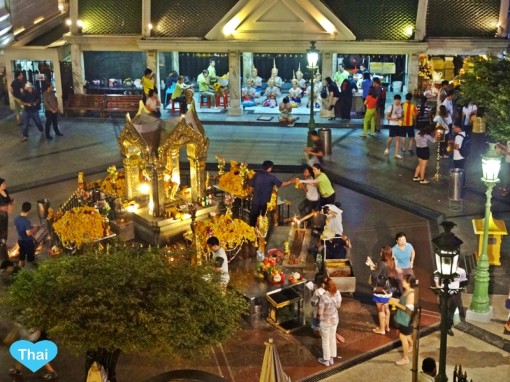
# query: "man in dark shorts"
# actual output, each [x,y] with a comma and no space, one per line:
[263,183]
[394,117]
[25,238]
[409,112]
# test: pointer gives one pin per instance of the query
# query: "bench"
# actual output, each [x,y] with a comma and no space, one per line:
[85,102]
[121,103]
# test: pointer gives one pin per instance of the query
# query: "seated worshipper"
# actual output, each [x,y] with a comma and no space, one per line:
[204,86]
[248,95]
[335,248]
[285,110]
[153,103]
[277,80]
[301,81]
[179,94]
[295,94]
[333,225]
[256,81]
[148,83]
[272,93]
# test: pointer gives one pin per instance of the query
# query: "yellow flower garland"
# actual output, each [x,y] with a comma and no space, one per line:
[78,226]
[230,232]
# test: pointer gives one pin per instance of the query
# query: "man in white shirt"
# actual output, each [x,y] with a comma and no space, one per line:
[448,103]
[394,116]
[459,136]
[468,112]
[455,299]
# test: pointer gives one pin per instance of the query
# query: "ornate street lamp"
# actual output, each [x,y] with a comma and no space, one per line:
[480,309]
[312,56]
[446,250]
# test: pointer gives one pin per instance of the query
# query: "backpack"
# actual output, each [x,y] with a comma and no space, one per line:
[465,147]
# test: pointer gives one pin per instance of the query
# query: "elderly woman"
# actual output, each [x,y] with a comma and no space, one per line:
[327,313]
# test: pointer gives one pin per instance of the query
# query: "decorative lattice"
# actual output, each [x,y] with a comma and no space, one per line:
[376,19]
[462,18]
[111,17]
[180,18]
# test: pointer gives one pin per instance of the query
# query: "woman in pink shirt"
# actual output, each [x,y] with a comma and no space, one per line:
[371,106]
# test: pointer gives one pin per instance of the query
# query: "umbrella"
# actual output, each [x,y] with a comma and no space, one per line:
[272,370]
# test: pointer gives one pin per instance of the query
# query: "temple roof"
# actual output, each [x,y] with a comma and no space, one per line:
[376,19]
[367,19]
[111,17]
[462,18]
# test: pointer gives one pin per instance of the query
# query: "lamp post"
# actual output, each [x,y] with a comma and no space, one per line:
[479,309]
[312,56]
[446,250]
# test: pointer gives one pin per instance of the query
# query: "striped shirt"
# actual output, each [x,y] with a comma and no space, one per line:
[409,113]
[328,307]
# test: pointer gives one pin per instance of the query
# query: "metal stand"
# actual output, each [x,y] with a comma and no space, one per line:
[437,176]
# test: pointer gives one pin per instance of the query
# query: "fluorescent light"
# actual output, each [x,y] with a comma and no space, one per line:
[18,31]
[38,20]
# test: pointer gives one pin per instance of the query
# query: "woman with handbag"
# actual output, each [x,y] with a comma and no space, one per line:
[405,306]
[381,284]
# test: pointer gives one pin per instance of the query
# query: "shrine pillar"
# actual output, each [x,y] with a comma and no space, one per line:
[247,65]
[132,173]
[412,71]
[327,63]
[234,84]
[77,68]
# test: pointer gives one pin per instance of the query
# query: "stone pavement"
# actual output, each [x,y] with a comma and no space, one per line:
[379,199]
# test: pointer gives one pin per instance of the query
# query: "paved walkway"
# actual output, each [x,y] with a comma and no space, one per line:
[378,197]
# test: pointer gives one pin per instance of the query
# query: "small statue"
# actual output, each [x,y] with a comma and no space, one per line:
[277,81]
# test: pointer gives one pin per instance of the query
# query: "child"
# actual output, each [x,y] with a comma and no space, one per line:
[371,106]
[25,235]
[220,260]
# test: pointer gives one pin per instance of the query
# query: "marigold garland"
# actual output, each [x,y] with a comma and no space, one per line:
[230,232]
[235,181]
[78,226]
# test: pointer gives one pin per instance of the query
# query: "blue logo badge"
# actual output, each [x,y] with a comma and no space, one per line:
[33,356]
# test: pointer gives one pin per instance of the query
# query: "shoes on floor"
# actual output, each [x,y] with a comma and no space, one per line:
[24,139]
[416,179]
[424,181]
[376,331]
[49,137]
[371,134]
[325,362]
[386,152]
[398,156]
[450,332]
[50,376]
[402,362]
[15,372]
[291,124]
[363,135]
[59,134]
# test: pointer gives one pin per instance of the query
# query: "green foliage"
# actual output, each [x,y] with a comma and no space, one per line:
[129,299]
[488,85]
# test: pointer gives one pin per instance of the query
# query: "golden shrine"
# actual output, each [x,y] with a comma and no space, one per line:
[150,149]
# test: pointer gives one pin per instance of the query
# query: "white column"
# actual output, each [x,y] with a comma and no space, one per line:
[333,67]
[247,65]
[77,65]
[146,18]
[175,61]
[503,19]
[421,21]
[234,84]
[327,64]
[58,81]
[152,63]
[73,16]
[412,72]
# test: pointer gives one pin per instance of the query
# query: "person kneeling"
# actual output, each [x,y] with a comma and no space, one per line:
[285,110]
